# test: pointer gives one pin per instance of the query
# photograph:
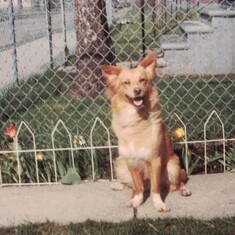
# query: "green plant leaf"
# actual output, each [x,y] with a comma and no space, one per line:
[71,177]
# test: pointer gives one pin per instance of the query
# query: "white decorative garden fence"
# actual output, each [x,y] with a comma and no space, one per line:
[91,148]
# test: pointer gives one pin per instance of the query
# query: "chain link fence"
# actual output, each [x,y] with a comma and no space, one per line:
[52,91]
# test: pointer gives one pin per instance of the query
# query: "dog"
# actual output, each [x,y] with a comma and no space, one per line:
[145,147]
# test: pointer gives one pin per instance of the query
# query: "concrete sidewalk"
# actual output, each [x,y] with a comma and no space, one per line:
[33,57]
[212,196]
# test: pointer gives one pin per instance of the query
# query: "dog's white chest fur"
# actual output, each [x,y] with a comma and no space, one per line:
[137,137]
[137,131]
[133,150]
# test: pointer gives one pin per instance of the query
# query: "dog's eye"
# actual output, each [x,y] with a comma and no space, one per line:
[126,82]
[142,80]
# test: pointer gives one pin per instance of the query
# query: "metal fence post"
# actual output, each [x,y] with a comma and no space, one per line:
[143,26]
[49,31]
[109,11]
[13,40]
[66,50]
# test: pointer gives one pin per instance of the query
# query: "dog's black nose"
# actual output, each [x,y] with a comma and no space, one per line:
[137,91]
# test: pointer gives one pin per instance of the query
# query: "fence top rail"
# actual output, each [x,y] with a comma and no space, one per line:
[107,146]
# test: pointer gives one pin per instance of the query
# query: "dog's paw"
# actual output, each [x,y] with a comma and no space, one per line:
[136,201]
[159,204]
[118,186]
[184,192]
[161,207]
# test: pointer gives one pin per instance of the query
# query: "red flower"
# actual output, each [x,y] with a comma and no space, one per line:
[10,131]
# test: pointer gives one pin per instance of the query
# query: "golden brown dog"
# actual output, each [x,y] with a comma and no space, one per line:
[144,143]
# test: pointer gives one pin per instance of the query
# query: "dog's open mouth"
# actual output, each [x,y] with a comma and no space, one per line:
[137,101]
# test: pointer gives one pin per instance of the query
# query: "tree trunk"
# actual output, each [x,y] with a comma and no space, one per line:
[159,7]
[94,47]
[20,4]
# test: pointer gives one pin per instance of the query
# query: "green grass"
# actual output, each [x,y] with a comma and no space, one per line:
[194,98]
[41,101]
[127,38]
[168,226]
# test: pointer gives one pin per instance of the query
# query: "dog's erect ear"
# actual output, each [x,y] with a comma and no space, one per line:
[110,74]
[149,63]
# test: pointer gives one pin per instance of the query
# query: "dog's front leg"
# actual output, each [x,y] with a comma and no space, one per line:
[154,170]
[138,190]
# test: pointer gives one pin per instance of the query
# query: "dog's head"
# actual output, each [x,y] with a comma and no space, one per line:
[133,84]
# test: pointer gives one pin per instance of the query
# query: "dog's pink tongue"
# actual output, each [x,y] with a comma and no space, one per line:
[138,102]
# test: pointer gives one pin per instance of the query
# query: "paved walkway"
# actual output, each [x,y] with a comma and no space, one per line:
[33,57]
[213,196]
